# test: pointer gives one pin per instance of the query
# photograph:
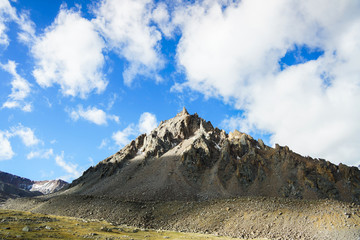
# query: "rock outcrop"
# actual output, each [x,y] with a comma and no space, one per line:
[187,158]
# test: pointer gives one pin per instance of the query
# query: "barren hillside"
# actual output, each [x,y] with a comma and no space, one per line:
[186,158]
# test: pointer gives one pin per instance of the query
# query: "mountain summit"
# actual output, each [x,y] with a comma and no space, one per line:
[186,158]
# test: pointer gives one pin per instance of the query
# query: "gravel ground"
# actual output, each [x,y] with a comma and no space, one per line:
[272,218]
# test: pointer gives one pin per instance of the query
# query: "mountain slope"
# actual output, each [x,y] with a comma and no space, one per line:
[187,158]
[26,187]
[10,191]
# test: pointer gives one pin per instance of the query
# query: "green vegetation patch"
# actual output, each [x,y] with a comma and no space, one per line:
[26,225]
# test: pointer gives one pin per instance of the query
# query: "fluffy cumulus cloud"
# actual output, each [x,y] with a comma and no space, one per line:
[234,52]
[147,122]
[71,169]
[92,114]
[6,151]
[122,137]
[26,135]
[69,53]
[127,27]
[20,89]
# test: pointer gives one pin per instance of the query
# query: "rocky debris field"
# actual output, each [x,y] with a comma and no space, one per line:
[249,217]
[25,225]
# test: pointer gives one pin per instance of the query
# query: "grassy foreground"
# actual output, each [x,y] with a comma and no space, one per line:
[26,225]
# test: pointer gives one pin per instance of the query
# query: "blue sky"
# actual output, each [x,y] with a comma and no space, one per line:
[80,79]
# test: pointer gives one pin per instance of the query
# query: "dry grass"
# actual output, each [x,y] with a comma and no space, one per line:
[12,224]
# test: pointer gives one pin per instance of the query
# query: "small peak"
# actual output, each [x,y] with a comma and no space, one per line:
[183,112]
[235,134]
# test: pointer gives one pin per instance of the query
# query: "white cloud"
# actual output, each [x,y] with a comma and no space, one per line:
[9,14]
[26,134]
[70,168]
[161,16]
[27,27]
[126,26]
[6,151]
[122,138]
[43,154]
[93,114]
[112,101]
[147,122]
[233,53]
[69,54]
[20,89]
[103,143]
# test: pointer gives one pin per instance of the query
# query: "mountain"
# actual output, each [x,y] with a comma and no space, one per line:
[12,186]
[188,176]
[48,186]
[10,191]
[186,158]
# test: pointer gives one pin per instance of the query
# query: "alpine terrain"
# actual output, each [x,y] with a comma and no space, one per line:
[187,175]
[12,186]
[186,158]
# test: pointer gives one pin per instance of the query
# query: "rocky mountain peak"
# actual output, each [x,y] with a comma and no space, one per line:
[185,157]
[183,112]
[167,135]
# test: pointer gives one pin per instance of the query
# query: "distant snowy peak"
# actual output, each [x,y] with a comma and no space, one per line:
[44,187]
[49,186]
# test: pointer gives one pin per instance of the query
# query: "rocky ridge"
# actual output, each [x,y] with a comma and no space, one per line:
[15,186]
[10,191]
[186,158]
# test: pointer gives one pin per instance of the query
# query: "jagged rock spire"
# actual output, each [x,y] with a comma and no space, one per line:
[183,112]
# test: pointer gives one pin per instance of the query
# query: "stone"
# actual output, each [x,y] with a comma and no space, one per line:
[261,143]
[105,229]
[26,229]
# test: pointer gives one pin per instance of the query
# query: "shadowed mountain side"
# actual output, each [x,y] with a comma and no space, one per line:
[187,158]
[27,185]
[10,191]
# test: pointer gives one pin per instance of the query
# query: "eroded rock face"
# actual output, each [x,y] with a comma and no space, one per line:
[187,158]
